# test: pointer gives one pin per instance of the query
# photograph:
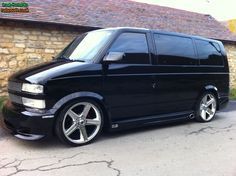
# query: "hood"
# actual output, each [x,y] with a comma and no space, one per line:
[41,73]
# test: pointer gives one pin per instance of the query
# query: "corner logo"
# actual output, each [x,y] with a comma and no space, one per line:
[10,7]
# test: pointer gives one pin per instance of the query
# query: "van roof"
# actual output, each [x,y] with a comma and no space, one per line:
[160,32]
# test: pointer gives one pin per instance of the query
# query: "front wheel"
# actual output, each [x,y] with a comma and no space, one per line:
[79,123]
[206,107]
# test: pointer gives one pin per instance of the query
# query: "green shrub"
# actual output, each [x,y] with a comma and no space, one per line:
[2,99]
[232,94]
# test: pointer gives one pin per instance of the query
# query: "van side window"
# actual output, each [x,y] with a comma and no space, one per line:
[209,53]
[175,50]
[134,46]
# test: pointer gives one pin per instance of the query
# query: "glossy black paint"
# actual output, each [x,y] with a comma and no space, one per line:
[21,121]
[130,94]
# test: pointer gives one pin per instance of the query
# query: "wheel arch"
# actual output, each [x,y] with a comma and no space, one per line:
[82,95]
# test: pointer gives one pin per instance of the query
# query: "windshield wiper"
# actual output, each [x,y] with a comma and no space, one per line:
[63,57]
[66,58]
[77,60]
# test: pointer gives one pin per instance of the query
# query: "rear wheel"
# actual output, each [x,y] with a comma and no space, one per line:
[206,107]
[79,123]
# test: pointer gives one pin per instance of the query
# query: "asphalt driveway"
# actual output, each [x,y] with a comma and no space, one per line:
[181,149]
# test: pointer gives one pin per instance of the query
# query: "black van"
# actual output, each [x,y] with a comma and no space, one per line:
[118,78]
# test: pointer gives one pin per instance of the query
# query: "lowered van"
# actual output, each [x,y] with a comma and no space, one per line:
[118,78]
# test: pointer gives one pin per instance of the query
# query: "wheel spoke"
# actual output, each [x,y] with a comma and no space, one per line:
[208,103]
[73,115]
[209,111]
[92,122]
[202,107]
[203,114]
[70,130]
[86,110]
[204,100]
[83,133]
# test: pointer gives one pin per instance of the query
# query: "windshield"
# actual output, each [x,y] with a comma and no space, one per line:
[85,47]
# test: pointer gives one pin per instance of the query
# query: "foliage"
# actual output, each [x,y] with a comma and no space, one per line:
[2,99]
[232,94]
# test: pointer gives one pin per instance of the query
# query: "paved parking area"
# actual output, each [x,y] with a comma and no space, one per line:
[181,149]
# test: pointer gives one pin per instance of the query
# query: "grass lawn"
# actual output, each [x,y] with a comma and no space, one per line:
[232,94]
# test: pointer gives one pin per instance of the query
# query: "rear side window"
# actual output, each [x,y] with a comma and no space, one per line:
[134,46]
[175,50]
[209,53]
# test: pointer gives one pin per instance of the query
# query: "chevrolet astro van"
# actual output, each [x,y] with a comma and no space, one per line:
[118,78]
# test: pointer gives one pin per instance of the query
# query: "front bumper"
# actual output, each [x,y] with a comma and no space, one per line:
[25,124]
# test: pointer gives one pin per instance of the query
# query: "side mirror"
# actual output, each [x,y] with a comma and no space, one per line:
[113,56]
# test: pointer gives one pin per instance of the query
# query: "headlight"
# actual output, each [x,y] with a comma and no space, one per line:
[32,88]
[33,103]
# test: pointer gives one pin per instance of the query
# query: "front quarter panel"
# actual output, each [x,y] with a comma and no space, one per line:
[87,80]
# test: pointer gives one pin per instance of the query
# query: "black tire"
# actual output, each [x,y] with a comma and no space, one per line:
[59,130]
[201,108]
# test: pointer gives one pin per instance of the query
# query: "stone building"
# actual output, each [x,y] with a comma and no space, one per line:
[30,38]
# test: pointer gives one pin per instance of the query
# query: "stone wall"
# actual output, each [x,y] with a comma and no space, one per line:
[26,44]
[231,54]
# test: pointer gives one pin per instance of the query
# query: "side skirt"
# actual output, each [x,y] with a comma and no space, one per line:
[151,120]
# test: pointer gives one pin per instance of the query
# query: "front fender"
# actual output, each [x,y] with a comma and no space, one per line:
[73,96]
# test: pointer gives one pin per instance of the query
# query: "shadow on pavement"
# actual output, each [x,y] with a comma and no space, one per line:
[230,107]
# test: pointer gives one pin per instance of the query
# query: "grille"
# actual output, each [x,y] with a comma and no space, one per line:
[15,98]
[14,86]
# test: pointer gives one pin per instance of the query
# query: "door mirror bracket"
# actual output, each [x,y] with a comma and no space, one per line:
[113,56]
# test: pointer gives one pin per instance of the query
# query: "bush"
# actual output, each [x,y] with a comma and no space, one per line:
[232,94]
[2,99]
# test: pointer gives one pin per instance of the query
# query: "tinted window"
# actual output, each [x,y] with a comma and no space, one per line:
[175,50]
[209,53]
[135,47]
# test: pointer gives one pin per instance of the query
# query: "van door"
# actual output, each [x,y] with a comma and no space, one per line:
[128,82]
[177,77]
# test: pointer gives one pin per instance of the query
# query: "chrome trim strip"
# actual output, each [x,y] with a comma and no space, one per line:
[47,116]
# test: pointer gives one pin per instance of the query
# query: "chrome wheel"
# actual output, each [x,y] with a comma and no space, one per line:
[207,107]
[81,122]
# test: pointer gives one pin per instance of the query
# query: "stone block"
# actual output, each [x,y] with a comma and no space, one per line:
[33,37]
[20,37]
[29,50]
[13,64]
[6,45]
[20,45]
[4,51]
[7,36]
[49,51]
[43,38]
